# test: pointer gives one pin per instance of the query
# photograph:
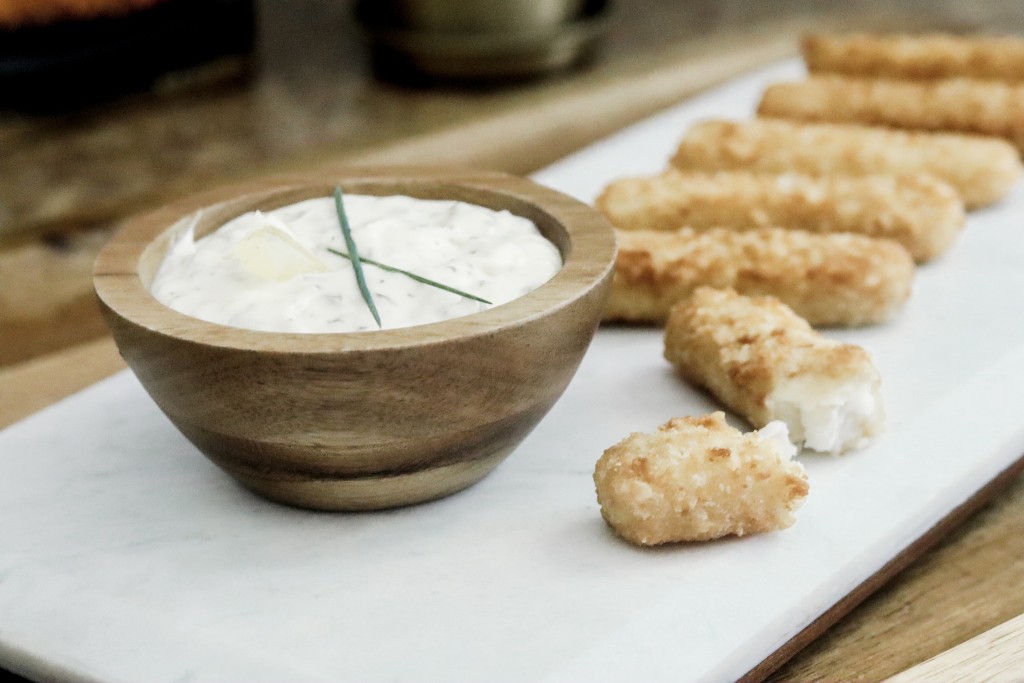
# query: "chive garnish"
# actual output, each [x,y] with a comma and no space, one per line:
[414,276]
[353,256]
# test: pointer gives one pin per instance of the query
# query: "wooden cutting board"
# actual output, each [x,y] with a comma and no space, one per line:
[995,656]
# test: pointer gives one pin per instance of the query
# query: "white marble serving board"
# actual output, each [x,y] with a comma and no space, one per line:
[126,556]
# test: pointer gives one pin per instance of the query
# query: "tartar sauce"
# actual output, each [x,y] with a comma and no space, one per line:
[274,272]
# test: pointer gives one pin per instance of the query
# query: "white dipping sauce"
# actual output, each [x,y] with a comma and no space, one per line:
[273,272]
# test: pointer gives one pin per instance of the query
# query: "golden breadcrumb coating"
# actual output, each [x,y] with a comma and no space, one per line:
[920,212]
[962,105]
[833,279]
[696,479]
[764,362]
[983,170]
[15,13]
[916,56]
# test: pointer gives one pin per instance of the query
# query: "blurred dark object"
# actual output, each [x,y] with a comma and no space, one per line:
[480,40]
[71,63]
[482,16]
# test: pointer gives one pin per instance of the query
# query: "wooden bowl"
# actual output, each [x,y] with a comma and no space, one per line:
[370,419]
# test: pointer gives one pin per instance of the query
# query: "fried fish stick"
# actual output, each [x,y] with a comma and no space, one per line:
[764,362]
[982,170]
[916,56]
[922,213]
[962,105]
[696,479]
[836,279]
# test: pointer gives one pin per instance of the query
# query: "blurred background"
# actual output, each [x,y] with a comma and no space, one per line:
[110,107]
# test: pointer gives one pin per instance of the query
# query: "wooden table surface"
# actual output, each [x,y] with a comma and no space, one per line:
[67,179]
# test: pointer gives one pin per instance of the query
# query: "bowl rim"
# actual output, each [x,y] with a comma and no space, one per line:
[587,260]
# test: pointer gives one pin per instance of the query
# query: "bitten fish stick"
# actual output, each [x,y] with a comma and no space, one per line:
[916,56]
[766,363]
[920,212]
[960,104]
[982,170]
[832,279]
[696,479]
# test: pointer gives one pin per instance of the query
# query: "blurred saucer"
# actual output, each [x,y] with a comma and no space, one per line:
[401,52]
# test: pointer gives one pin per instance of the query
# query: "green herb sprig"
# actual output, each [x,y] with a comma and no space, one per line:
[357,264]
[414,276]
[353,254]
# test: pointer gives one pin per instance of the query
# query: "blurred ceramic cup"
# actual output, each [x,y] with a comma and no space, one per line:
[480,40]
[484,16]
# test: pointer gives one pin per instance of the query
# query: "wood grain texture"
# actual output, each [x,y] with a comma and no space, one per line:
[995,656]
[28,387]
[44,303]
[361,420]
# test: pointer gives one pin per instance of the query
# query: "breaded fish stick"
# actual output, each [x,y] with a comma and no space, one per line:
[961,105]
[836,279]
[922,213]
[764,362]
[982,170]
[696,479]
[916,56]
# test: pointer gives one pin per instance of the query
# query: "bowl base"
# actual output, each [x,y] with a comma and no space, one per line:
[366,493]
